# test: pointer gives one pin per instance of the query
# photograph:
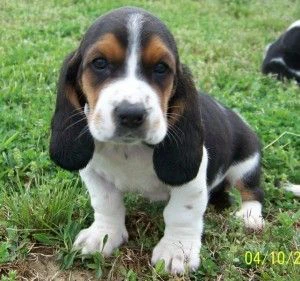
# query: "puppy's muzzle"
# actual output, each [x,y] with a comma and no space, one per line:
[130,116]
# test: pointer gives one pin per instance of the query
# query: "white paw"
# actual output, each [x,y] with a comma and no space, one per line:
[251,214]
[178,254]
[90,240]
[294,188]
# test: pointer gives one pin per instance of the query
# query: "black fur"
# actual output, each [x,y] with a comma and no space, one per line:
[219,196]
[227,138]
[70,147]
[177,158]
[286,47]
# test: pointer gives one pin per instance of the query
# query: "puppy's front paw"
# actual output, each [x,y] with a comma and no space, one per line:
[90,240]
[178,254]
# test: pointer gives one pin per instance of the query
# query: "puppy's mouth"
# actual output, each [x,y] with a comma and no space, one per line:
[127,141]
[128,137]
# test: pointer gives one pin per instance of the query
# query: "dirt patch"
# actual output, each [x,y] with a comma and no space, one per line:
[46,268]
[41,265]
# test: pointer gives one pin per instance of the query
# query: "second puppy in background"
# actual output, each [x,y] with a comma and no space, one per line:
[282,57]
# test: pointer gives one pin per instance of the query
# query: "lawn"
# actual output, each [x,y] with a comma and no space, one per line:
[42,207]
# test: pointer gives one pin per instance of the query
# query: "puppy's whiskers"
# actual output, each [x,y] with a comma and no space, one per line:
[83,131]
[79,112]
[73,124]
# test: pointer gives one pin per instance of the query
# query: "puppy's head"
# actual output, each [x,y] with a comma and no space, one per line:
[127,77]
[124,84]
[282,57]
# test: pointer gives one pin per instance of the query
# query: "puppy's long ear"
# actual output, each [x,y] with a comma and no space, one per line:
[71,145]
[177,158]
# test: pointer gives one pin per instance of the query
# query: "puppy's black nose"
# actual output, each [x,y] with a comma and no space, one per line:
[130,115]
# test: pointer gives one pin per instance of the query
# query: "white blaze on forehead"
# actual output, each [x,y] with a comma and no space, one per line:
[134,25]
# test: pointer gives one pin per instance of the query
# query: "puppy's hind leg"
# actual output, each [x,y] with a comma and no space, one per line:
[219,196]
[245,175]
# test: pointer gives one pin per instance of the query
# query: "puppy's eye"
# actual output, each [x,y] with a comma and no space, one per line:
[160,68]
[100,63]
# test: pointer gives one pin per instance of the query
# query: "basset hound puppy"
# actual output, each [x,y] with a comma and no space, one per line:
[282,57]
[129,118]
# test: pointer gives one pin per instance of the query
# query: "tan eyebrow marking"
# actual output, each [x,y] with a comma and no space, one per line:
[155,51]
[108,46]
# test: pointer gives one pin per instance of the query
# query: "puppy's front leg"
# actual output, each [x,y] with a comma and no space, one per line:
[181,243]
[109,216]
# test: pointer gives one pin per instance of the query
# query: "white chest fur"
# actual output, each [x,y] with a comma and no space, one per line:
[130,169]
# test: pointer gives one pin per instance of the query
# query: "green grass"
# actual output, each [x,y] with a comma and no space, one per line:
[43,207]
